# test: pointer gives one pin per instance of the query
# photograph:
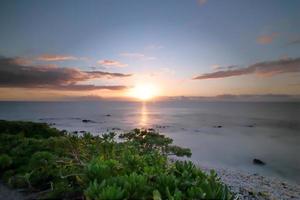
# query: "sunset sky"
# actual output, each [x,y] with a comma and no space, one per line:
[60,50]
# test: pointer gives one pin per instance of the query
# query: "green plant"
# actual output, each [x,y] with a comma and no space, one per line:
[5,161]
[61,166]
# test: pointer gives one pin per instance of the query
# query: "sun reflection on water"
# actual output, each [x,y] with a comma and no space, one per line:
[144,115]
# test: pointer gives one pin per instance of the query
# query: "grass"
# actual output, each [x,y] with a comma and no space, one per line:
[51,164]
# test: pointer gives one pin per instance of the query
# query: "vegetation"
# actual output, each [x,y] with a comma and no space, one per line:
[51,164]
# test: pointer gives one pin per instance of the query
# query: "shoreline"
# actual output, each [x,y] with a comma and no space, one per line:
[9,193]
[250,186]
[244,184]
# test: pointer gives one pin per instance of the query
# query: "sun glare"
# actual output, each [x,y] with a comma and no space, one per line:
[144,92]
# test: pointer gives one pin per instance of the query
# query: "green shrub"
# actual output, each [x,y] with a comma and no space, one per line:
[5,161]
[61,166]
[28,129]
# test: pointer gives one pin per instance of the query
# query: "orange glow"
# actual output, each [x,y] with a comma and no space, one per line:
[144,115]
[144,92]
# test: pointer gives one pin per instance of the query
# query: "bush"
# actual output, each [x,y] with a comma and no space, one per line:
[5,161]
[38,158]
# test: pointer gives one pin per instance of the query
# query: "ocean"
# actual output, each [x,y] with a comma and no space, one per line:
[220,134]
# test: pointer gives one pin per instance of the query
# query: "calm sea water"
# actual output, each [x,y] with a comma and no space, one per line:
[220,134]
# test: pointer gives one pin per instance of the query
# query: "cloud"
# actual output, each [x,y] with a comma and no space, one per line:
[111,63]
[138,56]
[230,67]
[240,98]
[202,2]
[266,39]
[50,57]
[154,46]
[13,74]
[267,68]
[73,87]
[294,42]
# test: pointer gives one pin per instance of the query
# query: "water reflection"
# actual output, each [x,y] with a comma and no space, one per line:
[144,115]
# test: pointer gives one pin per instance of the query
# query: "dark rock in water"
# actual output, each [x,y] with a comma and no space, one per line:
[75,132]
[64,131]
[151,129]
[87,121]
[116,129]
[108,115]
[161,126]
[251,125]
[82,131]
[258,162]
[219,126]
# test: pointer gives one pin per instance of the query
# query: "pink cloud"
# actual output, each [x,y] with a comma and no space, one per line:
[201,2]
[51,57]
[138,56]
[111,63]
[266,39]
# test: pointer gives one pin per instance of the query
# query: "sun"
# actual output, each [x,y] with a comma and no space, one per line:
[144,92]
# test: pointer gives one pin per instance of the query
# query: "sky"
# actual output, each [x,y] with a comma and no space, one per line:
[68,49]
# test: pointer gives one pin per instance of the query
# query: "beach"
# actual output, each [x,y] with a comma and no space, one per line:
[254,186]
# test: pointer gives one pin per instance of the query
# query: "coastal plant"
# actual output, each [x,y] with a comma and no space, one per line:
[63,166]
[5,161]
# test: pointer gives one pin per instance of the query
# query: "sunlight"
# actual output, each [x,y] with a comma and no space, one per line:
[144,115]
[144,92]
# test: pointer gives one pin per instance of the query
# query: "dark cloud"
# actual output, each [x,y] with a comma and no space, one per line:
[14,74]
[241,97]
[73,87]
[230,67]
[267,68]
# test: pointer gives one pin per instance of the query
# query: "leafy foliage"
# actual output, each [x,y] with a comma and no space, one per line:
[5,161]
[51,164]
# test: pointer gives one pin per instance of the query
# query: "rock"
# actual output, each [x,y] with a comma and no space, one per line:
[251,193]
[219,126]
[258,162]
[161,126]
[108,115]
[82,131]
[63,131]
[87,121]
